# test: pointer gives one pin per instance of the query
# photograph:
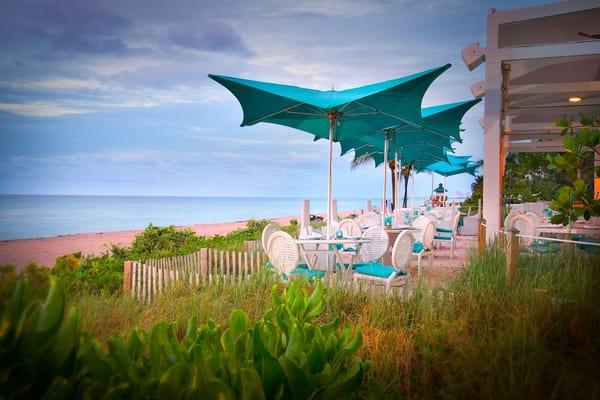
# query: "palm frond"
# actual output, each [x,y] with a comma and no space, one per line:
[361,160]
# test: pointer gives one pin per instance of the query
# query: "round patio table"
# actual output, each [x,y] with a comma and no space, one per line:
[330,246]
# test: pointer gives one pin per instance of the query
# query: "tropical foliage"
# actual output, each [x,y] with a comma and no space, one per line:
[575,199]
[287,354]
[528,179]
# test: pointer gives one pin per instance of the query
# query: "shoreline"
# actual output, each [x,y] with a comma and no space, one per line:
[44,250]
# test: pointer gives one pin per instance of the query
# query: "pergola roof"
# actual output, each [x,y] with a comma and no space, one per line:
[547,57]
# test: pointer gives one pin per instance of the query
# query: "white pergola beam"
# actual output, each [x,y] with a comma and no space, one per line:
[555,88]
[553,109]
[569,49]
[547,10]
[532,135]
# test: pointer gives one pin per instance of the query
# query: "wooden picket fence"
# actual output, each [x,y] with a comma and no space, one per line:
[144,280]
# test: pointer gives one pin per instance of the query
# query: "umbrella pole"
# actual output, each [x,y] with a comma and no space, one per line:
[412,201]
[445,188]
[399,169]
[432,184]
[396,182]
[332,123]
[385,167]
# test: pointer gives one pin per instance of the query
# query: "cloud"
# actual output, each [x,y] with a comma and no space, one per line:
[56,84]
[67,27]
[39,109]
[125,157]
[208,36]
[281,160]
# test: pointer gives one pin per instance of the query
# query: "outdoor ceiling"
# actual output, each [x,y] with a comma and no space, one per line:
[559,28]
[537,93]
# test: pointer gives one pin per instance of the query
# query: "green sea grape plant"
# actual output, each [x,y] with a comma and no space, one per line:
[288,353]
[576,199]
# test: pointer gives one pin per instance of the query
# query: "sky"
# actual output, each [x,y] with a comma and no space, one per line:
[112,97]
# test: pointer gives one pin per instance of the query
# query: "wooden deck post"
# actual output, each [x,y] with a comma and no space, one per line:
[481,237]
[512,254]
[204,262]
[127,275]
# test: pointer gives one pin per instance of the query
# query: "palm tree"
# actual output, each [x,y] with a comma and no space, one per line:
[405,172]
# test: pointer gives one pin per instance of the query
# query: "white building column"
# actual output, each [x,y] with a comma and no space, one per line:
[493,152]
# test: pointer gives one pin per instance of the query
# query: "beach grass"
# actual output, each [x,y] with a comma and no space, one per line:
[478,337]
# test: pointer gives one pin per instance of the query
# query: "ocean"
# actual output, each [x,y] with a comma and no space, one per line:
[32,216]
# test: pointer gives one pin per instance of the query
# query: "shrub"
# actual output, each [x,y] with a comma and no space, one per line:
[284,355]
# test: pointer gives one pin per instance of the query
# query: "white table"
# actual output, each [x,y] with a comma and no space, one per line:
[330,247]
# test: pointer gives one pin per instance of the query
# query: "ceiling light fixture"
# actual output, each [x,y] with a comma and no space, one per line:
[575,99]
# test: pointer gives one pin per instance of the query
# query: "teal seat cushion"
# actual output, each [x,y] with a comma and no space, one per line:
[308,273]
[350,249]
[418,247]
[541,247]
[589,249]
[302,265]
[375,269]
[443,229]
[442,237]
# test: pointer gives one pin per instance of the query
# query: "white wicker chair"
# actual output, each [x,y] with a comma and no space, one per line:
[350,227]
[266,234]
[283,252]
[426,238]
[421,222]
[534,217]
[369,219]
[377,244]
[285,257]
[525,227]
[401,253]
[445,237]
[432,217]
[509,220]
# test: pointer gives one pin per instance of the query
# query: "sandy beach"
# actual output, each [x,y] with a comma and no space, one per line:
[44,251]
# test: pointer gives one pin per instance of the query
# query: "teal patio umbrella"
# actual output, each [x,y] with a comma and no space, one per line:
[456,165]
[333,115]
[440,128]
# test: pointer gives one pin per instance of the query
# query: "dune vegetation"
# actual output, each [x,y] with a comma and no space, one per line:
[477,336]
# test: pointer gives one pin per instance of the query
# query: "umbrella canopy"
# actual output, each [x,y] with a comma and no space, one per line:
[441,127]
[446,169]
[333,114]
[362,109]
[418,146]
[459,160]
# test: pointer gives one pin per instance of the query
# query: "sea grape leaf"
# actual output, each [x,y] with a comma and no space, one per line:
[298,382]
[51,314]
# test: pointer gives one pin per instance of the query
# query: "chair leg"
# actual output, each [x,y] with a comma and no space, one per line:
[419,266]
[452,248]
[431,260]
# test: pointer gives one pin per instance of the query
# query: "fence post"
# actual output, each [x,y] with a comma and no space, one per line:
[127,275]
[512,254]
[481,237]
[204,262]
